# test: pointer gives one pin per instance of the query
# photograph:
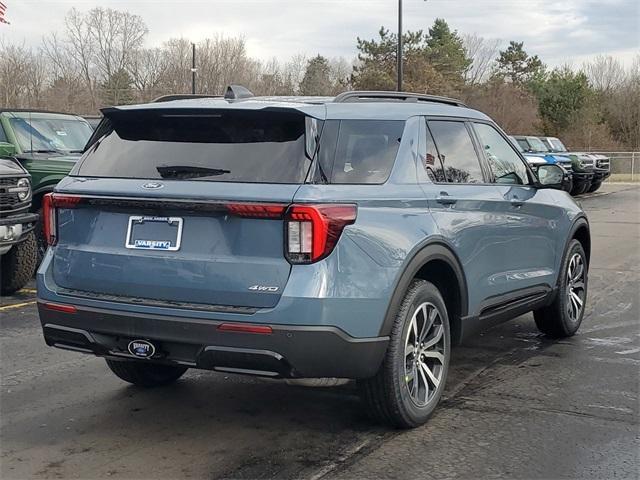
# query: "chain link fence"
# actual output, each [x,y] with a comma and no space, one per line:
[625,166]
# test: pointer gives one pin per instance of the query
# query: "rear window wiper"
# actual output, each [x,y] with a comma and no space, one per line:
[186,172]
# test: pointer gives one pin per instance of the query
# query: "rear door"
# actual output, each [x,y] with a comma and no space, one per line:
[466,207]
[183,207]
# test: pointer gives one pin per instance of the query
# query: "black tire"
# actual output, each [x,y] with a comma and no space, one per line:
[41,241]
[594,187]
[389,394]
[556,319]
[145,374]
[584,189]
[18,265]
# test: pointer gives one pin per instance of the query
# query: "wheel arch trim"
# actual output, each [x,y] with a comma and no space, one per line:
[434,249]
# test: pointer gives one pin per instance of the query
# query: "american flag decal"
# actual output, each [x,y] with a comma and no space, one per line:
[3,9]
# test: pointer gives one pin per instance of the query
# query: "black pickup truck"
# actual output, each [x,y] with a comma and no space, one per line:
[18,248]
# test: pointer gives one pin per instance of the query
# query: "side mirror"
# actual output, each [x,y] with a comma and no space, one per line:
[552,176]
[7,149]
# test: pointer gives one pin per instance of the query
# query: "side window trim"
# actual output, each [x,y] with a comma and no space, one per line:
[520,155]
[429,133]
[474,142]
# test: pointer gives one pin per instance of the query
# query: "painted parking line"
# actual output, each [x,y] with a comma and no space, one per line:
[28,290]
[17,305]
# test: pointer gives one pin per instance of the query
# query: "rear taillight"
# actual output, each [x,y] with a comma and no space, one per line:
[312,231]
[50,204]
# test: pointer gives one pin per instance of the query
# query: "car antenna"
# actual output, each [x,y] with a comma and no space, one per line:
[30,133]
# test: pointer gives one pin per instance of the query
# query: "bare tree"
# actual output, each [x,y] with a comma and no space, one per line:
[82,49]
[14,70]
[604,73]
[340,74]
[482,52]
[147,68]
[116,36]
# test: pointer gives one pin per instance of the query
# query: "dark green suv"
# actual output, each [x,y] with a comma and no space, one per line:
[47,144]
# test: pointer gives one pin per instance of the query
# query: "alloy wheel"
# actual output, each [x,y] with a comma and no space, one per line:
[424,361]
[575,287]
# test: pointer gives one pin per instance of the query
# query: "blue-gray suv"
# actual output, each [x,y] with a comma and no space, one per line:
[353,237]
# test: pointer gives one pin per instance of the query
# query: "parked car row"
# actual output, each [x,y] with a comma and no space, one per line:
[587,170]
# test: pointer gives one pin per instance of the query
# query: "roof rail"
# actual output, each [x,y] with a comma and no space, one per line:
[381,96]
[182,96]
[237,92]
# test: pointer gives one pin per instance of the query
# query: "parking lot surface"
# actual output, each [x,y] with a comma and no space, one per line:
[518,405]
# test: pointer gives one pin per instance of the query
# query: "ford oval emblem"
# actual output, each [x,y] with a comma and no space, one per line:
[141,349]
[153,185]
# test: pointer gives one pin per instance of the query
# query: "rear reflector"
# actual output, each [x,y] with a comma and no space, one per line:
[312,231]
[60,308]
[244,328]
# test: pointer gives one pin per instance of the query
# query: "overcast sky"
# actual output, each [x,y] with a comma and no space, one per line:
[568,31]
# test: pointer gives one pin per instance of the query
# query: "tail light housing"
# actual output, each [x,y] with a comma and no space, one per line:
[50,205]
[312,231]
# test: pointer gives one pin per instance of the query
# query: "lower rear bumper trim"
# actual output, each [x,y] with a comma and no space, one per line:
[290,352]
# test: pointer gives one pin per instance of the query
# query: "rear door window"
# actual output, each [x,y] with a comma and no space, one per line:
[213,145]
[458,156]
[366,150]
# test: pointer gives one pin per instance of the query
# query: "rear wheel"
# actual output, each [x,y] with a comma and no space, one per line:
[18,265]
[411,379]
[145,374]
[563,317]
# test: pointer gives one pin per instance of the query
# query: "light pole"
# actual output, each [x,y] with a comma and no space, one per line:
[193,68]
[399,54]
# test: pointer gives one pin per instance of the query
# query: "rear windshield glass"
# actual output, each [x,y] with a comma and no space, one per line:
[365,150]
[223,146]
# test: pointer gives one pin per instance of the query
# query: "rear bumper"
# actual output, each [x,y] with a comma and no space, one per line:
[289,351]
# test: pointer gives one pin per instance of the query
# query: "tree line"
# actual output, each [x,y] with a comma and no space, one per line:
[100,59]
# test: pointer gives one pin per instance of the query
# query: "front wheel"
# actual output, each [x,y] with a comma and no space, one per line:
[411,379]
[563,317]
[18,265]
[594,187]
[143,374]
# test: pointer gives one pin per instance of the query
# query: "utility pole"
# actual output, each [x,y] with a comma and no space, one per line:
[193,68]
[399,54]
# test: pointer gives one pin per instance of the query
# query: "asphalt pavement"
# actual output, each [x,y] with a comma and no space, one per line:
[518,405]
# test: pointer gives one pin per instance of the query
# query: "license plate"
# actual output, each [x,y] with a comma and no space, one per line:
[154,233]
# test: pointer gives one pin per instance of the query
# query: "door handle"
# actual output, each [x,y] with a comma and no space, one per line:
[516,202]
[445,199]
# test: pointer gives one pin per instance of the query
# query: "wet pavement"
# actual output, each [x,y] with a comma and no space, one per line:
[518,405]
